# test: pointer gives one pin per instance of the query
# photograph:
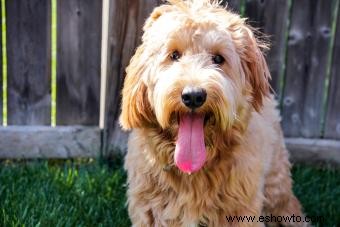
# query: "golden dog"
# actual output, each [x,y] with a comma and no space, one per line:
[206,141]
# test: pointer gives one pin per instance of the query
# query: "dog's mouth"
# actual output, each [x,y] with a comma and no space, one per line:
[190,151]
[208,117]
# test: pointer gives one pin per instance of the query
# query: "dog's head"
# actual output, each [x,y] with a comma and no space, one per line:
[198,69]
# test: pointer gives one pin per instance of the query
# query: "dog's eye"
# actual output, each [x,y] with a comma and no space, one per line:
[218,59]
[175,55]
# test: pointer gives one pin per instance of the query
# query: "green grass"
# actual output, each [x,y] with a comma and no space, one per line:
[69,194]
[89,193]
[319,191]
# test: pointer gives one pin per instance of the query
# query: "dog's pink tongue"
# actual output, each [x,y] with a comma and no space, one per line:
[190,153]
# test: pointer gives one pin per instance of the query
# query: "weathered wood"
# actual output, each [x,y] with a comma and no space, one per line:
[80,141]
[125,30]
[314,150]
[234,5]
[254,11]
[28,64]
[271,18]
[48,142]
[1,72]
[332,122]
[308,45]
[78,57]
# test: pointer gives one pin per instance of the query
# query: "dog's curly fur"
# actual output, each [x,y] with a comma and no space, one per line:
[247,172]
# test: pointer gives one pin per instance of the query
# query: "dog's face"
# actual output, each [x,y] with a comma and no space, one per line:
[198,69]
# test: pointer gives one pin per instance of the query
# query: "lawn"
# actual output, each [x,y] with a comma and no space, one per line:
[92,193]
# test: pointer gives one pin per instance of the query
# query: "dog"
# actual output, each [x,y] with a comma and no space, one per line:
[206,142]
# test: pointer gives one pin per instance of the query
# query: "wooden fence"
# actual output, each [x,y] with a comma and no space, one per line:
[304,62]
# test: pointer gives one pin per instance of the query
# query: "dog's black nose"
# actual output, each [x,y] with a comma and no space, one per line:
[193,97]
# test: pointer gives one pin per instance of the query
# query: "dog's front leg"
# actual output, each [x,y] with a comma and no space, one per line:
[246,214]
[139,216]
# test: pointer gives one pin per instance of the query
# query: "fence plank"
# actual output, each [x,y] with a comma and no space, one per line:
[126,21]
[28,54]
[1,70]
[48,142]
[314,151]
[271,17]
[78,57]
[308,45]
[332,123]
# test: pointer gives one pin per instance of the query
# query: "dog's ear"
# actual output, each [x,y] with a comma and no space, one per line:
[156,13]
[136,109]
[255,67]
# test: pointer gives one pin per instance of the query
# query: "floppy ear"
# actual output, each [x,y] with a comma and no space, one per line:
[156,13]
[255,67]
[136,109]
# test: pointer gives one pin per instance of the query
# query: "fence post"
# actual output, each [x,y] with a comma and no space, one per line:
[332,122]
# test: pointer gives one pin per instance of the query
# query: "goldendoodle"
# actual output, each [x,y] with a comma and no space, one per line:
[206,142]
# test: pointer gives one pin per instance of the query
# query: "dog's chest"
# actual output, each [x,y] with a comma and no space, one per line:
[195,204]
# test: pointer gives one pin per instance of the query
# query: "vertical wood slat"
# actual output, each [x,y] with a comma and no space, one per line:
[332,122]
[271,17]
[308,45]
[1,98]
[125,29]
[78,61]
[28,53]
